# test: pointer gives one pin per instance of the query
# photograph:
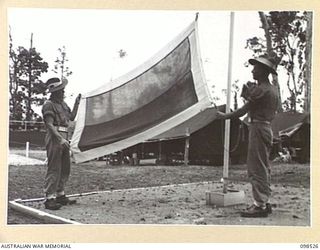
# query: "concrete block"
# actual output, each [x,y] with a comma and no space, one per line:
[220,199]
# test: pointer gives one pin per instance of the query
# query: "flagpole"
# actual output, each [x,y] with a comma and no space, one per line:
[227,122]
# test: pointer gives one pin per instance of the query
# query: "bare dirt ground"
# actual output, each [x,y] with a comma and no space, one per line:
[173,204]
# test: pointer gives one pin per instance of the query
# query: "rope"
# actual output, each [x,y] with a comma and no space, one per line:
[235,147]
[238,138]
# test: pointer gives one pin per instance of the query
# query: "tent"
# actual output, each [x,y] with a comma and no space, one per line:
[146,103]
[292,130]
[206,140]
[288,123]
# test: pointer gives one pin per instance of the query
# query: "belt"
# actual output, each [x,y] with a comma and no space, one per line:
[62,129]
[258,121]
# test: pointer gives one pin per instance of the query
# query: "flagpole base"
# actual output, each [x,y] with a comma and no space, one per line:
[230,198]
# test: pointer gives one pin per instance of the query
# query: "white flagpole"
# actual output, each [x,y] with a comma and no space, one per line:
[227,122]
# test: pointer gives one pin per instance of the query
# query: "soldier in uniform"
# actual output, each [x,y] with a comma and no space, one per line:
[56,115]
[262,102]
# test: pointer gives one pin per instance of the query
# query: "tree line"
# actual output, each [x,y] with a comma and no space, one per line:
[26,89]
[288,40]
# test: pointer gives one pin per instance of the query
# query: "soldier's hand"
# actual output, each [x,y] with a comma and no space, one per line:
[64,143]
[78,98]
[250,84]
[220,115]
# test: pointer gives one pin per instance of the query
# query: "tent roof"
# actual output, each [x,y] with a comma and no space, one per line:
[284,121]
[189,126]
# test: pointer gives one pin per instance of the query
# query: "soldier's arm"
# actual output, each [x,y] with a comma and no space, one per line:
[49,123]
[75,108]
[235,114]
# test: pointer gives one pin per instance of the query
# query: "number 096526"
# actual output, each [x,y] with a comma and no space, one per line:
[309,246]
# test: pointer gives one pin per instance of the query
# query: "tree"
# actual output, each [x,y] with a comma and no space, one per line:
[120,55]
[285,34]
[60,66]
[235,91]
[16,96]
[25,87]
[308,65]
[271,54]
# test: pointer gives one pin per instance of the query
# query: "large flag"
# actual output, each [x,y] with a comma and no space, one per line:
[144,104]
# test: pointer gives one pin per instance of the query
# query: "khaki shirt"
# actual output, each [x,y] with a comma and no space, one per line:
[61,114]
[263,102]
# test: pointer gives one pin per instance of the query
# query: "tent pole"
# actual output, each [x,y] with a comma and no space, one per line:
[227,122]
[186,147]
[160,152]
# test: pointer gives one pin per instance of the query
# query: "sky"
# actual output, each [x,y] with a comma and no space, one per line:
[93,37]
